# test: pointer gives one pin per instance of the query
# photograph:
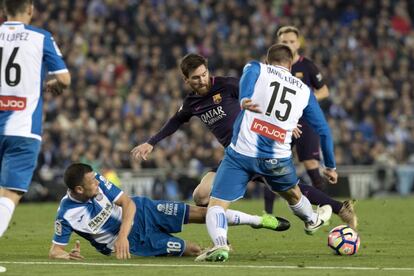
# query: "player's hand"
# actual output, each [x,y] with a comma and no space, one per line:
[247,104]
[122,248]
[331,175]
[142,151]
[54,87]
[297,131]
[74,254]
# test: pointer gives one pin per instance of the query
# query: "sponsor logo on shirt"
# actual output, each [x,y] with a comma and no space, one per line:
[96,223]
[268,130]
[12,103]
[217,98]
[213,115]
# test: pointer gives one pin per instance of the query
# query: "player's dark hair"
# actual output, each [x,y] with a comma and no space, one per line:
[14,7]
[191,62]
[279,53]
[75,173]
[287,29]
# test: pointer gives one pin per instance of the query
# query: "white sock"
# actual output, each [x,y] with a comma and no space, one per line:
[216,223]
[6,212]
[303,209]
[239,218]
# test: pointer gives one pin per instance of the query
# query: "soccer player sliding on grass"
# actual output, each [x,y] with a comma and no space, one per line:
[111,221]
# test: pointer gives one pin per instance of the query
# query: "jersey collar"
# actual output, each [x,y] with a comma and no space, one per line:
[283,68]
[13,23]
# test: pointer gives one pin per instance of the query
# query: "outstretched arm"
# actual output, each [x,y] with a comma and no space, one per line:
[57,251]
[128,212]
[314,116]
[142,151]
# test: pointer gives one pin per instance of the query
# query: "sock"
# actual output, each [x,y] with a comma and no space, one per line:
[269,198]
[216,223]
[303,210]
[239,218]
[317,180]
[317,197]
[6,212]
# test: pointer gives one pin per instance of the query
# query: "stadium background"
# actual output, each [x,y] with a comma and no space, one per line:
[125,84]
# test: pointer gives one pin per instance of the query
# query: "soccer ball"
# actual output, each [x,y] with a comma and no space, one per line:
[344,240]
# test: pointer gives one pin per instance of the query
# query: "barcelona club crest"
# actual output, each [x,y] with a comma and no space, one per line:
[217,98]
[299,75]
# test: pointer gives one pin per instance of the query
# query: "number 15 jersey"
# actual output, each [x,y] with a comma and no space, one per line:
[283,99]
[26,55]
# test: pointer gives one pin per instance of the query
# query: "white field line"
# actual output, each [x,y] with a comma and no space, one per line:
[216,266]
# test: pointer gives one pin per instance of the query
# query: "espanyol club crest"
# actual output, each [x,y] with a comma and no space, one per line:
[217,98]
[99,197]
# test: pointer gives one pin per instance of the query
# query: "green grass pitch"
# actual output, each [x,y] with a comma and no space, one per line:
[386,230]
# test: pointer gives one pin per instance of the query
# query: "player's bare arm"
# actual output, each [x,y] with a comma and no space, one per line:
[57,85]
[128,212]
[247,104]
[58,251]
[322,93]
[142,151]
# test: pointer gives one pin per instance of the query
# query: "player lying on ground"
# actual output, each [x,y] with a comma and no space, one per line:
[215,100]
[101,213]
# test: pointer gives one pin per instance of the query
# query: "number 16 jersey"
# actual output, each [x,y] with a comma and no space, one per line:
[26,55]
[283,99]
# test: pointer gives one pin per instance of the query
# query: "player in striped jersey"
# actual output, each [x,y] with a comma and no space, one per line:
[27,53]
[261,145]
[215,101]
[101,213]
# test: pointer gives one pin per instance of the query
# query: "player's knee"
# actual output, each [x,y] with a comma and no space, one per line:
[201,196]
[311,164]
[14,196]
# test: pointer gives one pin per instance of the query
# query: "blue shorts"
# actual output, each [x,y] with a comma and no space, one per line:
[236,170]
[154,221]
[18,157]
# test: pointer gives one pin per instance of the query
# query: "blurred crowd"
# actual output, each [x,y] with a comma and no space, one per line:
[123,58]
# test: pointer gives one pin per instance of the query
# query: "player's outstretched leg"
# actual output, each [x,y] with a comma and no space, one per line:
[302,208]
[265,221]
[318,181]
[324,214]
[348,215]
[216,223]
[215,254]
[269,199]
[8,203]
[344,210]
[268,221]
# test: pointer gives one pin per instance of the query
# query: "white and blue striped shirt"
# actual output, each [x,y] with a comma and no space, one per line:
[283,99]
[27,53]
[98,220]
